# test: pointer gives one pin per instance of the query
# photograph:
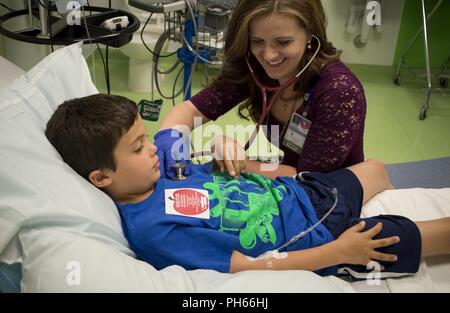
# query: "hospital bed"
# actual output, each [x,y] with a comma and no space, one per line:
[67,236]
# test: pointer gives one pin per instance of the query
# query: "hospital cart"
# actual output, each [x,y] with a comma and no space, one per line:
[443,76]
[198,25]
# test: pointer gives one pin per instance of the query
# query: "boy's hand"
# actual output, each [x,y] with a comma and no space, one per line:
[172,147]
[229,155]
[358,247]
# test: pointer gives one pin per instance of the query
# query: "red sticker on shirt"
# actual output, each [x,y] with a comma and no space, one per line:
[189,202]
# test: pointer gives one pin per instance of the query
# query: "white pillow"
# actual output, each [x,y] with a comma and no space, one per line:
[9,72]
[58,261]
[38,190]
[417,204]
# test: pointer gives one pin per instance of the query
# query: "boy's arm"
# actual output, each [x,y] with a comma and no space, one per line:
[310,259]
[354,246]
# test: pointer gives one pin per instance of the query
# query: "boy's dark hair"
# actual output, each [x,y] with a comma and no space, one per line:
[85,131]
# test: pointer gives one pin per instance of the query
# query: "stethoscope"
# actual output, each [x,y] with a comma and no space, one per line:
[266,105]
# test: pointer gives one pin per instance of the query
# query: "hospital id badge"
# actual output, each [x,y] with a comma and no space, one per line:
[296,133]
[187,202]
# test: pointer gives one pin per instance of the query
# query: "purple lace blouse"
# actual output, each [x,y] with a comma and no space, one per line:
[336,107]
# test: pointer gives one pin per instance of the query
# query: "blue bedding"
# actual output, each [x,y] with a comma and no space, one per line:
[421,174]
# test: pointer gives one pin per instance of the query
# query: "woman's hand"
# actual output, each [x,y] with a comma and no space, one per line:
[358,247]
[229,155]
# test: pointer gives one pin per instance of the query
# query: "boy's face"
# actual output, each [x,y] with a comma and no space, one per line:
[137,167]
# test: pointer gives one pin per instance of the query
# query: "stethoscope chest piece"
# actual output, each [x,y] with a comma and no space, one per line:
[178,168]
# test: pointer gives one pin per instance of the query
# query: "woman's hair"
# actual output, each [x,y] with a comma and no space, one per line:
[310,16]
[85,131]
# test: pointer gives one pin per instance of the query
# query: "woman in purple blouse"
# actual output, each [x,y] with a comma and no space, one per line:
[320,117]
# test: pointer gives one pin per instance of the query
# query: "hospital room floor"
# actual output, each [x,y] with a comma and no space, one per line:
[393,131]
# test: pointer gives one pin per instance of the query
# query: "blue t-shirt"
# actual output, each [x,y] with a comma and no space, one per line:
[178,225]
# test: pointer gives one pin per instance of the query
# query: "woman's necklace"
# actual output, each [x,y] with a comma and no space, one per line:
[297,103]
[294,108]
[289,98]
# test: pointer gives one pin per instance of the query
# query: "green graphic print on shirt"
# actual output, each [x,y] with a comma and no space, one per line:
[253,213]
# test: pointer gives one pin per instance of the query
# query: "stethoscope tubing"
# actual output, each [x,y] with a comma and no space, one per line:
[267,105]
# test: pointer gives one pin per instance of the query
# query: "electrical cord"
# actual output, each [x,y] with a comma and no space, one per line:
[145,44]
[197,56]
[188,85]
[105,68]
[156,55]
[86,26]
[7,8]
[108,84]
[191,49]
[170,70]
[104,64]
[158,46]
[174,86]
[108,81]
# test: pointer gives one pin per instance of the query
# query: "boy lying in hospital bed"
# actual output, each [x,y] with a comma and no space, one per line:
[213,221]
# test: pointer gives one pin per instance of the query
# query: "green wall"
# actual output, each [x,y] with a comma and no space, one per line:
[438,31]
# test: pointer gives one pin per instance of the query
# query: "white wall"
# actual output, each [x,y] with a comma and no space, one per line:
[380,49]
[115,4]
